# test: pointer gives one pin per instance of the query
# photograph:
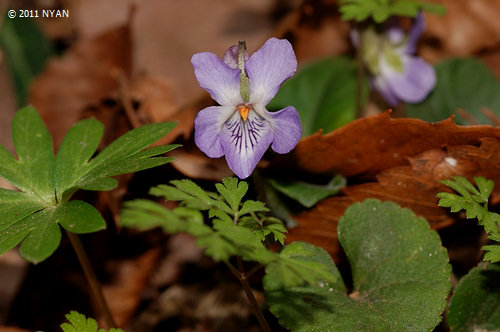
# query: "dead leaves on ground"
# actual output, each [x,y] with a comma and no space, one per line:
[401,160]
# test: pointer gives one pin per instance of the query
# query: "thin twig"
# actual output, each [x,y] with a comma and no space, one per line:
[251,298]
[91,278]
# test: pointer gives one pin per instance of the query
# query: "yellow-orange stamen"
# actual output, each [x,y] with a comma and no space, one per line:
[244,111]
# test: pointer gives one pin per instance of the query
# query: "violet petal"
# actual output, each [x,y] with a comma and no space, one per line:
[268,68]
[245,142]
[286,127]
[415,83]
[221,81]
[416,31]
[231,57]
[207,129]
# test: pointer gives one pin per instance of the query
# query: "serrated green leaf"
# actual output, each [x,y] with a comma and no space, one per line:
[491,253]
[35,154]
[401,277]
[78,146]
[462,83]
[300,263]
[79,323]
[32,217]
[308,194]
[476,301]
[250,206]
[26,50]
[324,94]
[127,151]
[233,191]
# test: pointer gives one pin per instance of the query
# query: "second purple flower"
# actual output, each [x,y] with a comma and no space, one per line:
[241,128]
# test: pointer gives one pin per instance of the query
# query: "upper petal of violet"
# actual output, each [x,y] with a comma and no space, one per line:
[416,31]
[268,68]
[215,76]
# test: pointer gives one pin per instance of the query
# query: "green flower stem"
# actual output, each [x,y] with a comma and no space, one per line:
[242,277]
[360,77]
[91,278]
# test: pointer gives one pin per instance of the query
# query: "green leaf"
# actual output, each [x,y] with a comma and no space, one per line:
[78,146]
[233,191]
[476,300]
[15,206]
[35,154]
[26,51]
[308,194]
[80,217]
[79,323]
[381,10]
[300,263]
[324,94]
[251,207]
[32,216]
[124,155]
[401,277]
[44,237]
[462,83]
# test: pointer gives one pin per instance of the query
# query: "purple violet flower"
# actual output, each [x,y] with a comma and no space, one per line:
[396,73]
[241,128]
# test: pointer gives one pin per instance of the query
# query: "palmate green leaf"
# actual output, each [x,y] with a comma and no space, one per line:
[324,94]
[475,305]
[472,200]
[308,194]
[233,191]
[33,216]
[462,83]
[80,323]
[401,277]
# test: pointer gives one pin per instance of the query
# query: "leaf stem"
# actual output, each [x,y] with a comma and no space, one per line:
[242,277]
[91,278]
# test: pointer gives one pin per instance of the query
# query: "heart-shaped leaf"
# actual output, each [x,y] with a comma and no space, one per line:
[475,305]
[465,84]
[401,277]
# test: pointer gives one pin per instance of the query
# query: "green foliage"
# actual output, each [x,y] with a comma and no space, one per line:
[324,94]
[79,323]
[239,227]
[462,83]
[381,10]
[309,194]
[26,50]
[400,271]
[476,301]
[47,183]
[475,203]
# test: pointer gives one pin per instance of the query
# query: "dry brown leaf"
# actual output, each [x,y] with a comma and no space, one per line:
[124,294]
[466,28]
[414,186]
[86,74]
[372,144]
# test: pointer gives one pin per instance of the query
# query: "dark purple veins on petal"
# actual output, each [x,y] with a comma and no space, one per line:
[245,135]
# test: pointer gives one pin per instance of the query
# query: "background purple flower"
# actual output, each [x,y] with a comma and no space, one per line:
[395,72]
[242,131]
